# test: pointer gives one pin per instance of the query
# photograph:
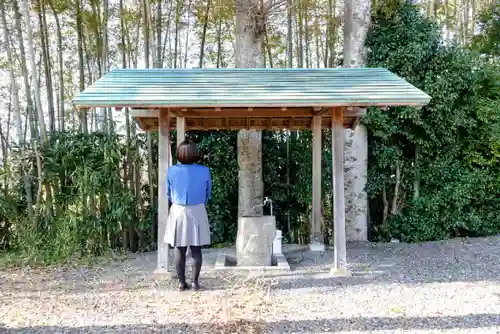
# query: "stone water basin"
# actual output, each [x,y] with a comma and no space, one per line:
[254,240]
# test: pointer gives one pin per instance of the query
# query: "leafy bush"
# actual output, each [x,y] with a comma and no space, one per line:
[434,173]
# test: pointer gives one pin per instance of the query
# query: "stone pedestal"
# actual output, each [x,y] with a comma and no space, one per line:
[254,241]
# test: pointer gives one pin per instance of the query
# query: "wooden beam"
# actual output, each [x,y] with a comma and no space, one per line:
[210,124]
[340,252]
[349,112]
[144,113]
[245,112]
[241,123]
[175,113]
[317,242]
[163,164]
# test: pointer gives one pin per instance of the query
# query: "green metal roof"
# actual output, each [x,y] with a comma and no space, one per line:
[238,87]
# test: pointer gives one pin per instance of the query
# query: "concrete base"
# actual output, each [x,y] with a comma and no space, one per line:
[317,247]
[227,262]
[334,272]
[162,273]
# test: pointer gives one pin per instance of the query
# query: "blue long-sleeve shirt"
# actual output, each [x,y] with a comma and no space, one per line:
[189,184]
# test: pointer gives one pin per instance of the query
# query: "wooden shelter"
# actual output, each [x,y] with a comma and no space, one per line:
[234,99]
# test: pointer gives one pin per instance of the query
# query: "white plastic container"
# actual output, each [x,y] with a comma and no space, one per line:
[277,242]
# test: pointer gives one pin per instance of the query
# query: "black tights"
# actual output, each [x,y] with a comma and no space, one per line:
[180,263]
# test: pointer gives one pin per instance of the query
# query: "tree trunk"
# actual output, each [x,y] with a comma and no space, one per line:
[385,202]
[219,42]
[159,22]
[395,197]
[300,44]
[177,28]
[305,17]
[289,54]
[4,142]
[467,21]
[248,54]
[166,40]
[356,24]
[17,111]
[146,24]
[431,8]
[186,45]
[106,113]
[317,36]
[34,74]
[416,180]
[289,34]
[46,63]
[204,34]
[14,90]
[128,163]
[32,117]
[268,46]
[447,19]
[327,33]
[61,115]
[100,62]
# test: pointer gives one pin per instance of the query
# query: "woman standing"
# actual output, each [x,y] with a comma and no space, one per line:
[189,187]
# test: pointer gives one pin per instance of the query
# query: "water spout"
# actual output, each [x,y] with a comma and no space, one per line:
[267,201]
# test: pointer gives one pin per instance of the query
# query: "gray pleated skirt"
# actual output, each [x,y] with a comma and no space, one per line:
[187,226]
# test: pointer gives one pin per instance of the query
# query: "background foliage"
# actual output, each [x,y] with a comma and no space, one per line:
[434,172]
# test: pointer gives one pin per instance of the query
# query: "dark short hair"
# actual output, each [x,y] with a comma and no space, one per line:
[187,152]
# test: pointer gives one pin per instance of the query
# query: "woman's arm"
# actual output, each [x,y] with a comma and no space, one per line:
[169,188]
[209,186]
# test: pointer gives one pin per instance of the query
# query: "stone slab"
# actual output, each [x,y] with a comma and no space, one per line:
[334,272]
[317,247]
[281,264]
[162,273]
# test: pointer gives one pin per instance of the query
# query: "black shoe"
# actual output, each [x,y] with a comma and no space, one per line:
[195,286]
[183,286]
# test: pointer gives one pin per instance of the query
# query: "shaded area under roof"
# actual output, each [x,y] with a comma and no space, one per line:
[237,87]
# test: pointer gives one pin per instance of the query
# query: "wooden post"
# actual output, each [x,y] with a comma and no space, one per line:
[340,252]
[164,160]
[317,243]
[181,129]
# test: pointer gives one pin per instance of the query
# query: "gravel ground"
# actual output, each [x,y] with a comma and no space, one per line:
[438,287]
